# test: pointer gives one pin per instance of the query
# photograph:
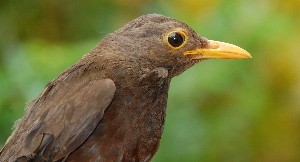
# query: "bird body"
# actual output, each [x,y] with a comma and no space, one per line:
[111,104]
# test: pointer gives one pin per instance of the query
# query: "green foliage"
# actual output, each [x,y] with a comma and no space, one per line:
[219,110]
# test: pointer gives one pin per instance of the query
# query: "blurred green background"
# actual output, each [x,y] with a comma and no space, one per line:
[219,110]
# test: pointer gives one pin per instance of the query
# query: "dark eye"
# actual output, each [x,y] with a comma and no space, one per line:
[176,39]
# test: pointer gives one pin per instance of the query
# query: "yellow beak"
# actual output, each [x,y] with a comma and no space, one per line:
[221,50]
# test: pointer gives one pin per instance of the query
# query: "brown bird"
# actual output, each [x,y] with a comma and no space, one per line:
[111,104]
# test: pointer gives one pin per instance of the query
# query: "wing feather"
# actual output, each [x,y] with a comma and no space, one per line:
[60,120]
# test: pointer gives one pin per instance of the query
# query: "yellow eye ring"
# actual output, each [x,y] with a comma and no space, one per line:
[176,39]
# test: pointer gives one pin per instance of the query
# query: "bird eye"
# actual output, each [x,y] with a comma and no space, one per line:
[175,39]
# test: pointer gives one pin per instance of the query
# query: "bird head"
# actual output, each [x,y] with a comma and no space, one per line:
[154,40]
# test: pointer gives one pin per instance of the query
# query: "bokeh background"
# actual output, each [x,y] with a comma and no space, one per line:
[219,110]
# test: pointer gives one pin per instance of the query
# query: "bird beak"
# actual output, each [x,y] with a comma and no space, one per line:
[221,50]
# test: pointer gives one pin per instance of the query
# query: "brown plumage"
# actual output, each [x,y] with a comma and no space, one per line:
[111,104]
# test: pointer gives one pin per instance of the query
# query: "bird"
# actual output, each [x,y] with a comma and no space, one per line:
[111,104]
